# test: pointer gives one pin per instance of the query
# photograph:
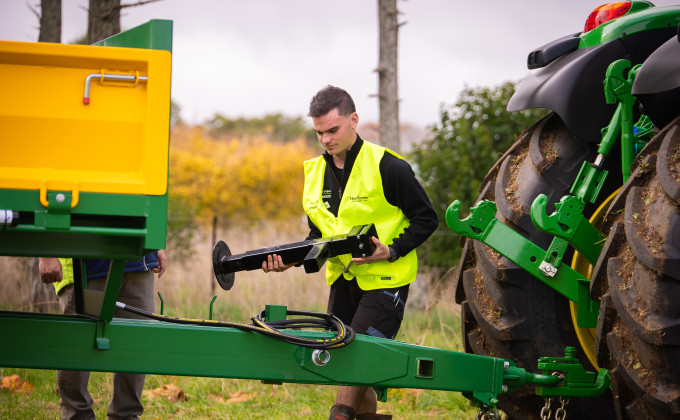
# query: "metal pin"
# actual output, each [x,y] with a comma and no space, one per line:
[346,270]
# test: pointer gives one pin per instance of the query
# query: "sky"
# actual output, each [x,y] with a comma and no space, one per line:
[241,58]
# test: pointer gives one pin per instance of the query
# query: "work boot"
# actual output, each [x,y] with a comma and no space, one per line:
[341,412]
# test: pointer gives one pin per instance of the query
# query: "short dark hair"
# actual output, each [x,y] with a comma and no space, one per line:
[330,98]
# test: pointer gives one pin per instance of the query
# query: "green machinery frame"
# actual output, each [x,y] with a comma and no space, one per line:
[94,340]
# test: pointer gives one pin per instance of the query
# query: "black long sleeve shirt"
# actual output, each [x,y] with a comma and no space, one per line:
[401,189]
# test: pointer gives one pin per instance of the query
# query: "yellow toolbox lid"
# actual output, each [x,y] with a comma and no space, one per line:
[84,118]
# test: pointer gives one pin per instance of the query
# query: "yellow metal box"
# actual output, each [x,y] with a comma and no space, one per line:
[84,119]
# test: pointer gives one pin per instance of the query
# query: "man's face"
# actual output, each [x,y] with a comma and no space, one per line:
[336,132]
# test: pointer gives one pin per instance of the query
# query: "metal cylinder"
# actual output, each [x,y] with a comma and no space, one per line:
[9,218]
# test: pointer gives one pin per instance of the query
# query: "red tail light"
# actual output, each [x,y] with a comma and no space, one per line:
[605,13]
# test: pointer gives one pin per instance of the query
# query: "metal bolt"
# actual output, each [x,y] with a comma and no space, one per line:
[361,246]
[548,269]
[60,198]
[506,364]
[504,388]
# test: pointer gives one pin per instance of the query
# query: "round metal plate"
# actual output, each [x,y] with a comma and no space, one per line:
[221,251]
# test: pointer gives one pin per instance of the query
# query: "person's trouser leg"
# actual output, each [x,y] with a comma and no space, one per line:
[136,289]
[127,396]
[377,313]
[75,401]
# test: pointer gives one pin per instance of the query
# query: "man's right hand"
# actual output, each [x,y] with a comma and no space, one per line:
[275,263]
[50,270]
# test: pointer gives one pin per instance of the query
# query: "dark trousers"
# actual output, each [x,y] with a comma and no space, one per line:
[137,290]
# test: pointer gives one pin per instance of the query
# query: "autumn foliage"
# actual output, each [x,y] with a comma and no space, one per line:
[241,179]
[16,384]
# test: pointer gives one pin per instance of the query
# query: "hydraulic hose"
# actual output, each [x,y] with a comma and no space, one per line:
[344,335]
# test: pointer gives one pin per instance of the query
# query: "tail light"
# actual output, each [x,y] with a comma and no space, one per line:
[605,13]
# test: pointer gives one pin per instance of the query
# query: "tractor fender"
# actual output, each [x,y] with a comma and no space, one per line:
[657,84]
[572,85]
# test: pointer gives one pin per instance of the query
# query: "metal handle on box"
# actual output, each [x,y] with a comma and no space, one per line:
[110,77]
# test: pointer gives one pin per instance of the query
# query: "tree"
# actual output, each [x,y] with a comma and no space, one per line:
[235,178]
[50,21]
[276,127]
[103,19]
[468,139]
[388,91]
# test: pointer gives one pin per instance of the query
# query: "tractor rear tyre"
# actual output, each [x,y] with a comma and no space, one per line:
[638,280]
[505,311]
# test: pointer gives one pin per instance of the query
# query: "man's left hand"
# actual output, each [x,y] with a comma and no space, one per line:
[381,253]
[162,264]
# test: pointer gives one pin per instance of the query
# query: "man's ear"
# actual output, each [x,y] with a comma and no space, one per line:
[355,120]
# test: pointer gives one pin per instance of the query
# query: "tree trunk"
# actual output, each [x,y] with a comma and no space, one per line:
[388,92]
[103,20]
[50,31]
[50,21]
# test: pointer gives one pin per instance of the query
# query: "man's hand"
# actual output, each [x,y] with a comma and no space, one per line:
[162,264]
[381,253]
[275,263]
[50,270]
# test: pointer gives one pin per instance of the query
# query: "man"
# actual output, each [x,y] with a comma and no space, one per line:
[136,289]
[356,182]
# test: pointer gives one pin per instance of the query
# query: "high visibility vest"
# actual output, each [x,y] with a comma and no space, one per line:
[67,274]
[363,202]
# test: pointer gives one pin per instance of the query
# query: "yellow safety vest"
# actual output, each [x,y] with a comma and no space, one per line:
[67,274]
[363,202]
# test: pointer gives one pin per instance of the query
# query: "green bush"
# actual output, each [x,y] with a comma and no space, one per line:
[466,141]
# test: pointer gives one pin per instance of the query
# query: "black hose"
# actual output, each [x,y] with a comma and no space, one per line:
[344,335]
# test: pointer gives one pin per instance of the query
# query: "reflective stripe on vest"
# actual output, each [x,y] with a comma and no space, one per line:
[363,202]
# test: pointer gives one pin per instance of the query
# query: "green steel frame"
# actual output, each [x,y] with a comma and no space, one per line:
[71,342]
[118,226]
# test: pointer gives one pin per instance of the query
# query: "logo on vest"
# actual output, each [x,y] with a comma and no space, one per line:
[313,204]
[358,198]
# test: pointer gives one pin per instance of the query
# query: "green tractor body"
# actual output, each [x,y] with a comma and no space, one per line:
[562,249]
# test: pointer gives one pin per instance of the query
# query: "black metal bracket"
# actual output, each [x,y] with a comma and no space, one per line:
[312,253]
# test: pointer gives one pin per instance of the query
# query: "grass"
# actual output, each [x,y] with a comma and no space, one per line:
[431,319]
[209,398]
